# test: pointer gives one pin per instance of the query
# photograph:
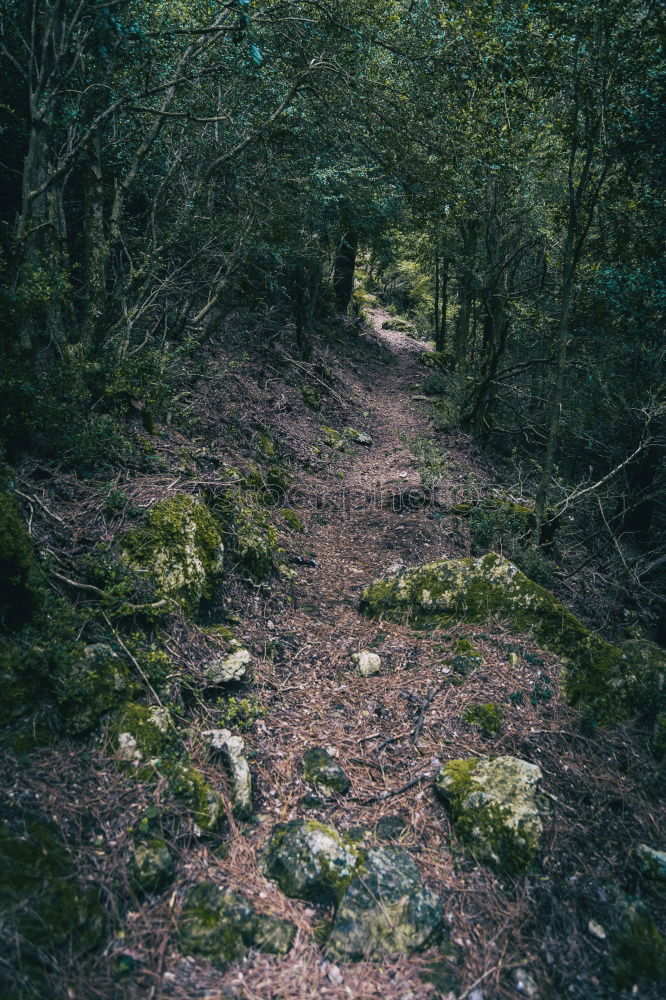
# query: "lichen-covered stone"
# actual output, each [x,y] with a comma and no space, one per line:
[496,809]
[231,749]
[358,437]
[141,734]
[178,550]
[639,949]
[333,438]
[151,866]
[323,773]
[311,397]
[188,785]
[41,902]
[610,682]
[487,716]
[385,910]
[90,685]
[651,864]
[366,663]
[309,860]
[251,536]
[220,925]
[233,667]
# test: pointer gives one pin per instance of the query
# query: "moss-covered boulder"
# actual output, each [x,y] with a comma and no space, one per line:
[141,734]
[385,910]
[496,809]
[42,905]
[94,682]
[309,860]
[151,866]
[292,520]
[608,681]
[333,438]
[249,532]
[323,773]
[358,437]
[638,959]
[178,550]
[188,786]
[220,925]
[311,397]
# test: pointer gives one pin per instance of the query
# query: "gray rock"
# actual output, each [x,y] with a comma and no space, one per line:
[525,983]
[229,669]
[323,773]
[151,866]
[651,863]
[309,860]
[358,437]
[496,809]
[385,910]
[231,749]
[221,925]
[367,663]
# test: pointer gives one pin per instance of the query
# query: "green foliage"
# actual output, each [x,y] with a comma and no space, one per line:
[240,713]
[488,717]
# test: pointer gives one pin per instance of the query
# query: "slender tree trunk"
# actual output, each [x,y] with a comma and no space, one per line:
[343,271]
[440,331]
[436,283]
[95,248]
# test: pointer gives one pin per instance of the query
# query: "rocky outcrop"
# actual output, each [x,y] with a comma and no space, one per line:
[178,550]
[220,925]
[496,809]
[609,682]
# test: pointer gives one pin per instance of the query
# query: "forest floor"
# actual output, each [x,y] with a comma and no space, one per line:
[365,509]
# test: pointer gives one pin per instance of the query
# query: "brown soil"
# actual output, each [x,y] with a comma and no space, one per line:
[387,734]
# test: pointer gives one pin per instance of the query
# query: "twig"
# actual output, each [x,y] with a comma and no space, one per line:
[36,499]
[134,661]
[425,705]
[391,793]
[77,584]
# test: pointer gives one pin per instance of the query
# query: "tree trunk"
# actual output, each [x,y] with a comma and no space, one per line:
[440,331]
[343,271]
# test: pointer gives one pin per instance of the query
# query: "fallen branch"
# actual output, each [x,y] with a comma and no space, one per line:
[425,705]
[383,796]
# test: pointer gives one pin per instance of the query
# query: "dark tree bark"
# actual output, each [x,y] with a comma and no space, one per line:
[343,271]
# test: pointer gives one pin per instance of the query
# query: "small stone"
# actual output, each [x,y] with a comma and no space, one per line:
[324,774]
[596,929]
[525,983]
[651,863]
[334,975]
[141,733]
[231,748]
[151,866]
[476,994]
[358,437]
[229,669]
[367,663]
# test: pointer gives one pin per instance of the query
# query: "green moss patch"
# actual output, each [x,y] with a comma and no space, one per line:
[488,717]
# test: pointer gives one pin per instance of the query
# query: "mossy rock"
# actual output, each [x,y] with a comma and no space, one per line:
[309,860]
[397,325]
[269,486]
[93,683]
[496,809]
[220,925]
[323,773]
[385,910]
[292,520]
[489,717]
[42,905]
[142,734]
[151,866]
[188,786]
[178,550]
[333,438]
[609,682]
[251,536]
[311,397]
[19,584]
[358,437]
[440,360]
[651,864]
